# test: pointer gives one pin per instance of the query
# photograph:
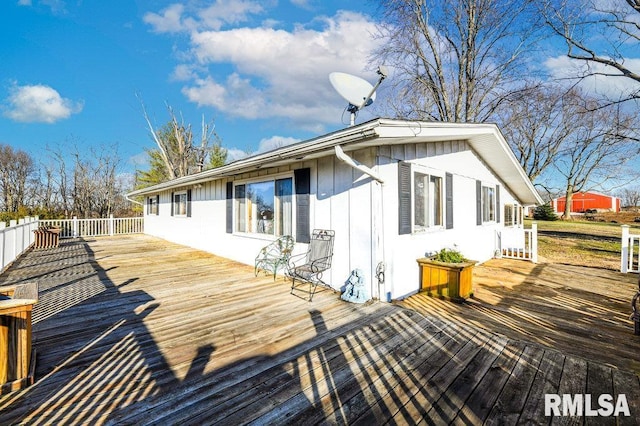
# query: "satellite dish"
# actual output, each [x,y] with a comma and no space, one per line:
[355,90]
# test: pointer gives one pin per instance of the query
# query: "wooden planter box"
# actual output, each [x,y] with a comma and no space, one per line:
[451,281]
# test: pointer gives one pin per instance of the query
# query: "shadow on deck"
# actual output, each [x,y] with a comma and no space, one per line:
[138,330]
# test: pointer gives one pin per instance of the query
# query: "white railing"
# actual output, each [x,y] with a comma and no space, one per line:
[16,239]
[518,243]
[630,253]
[74,228]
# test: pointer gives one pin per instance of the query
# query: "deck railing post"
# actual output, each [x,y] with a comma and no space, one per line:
[14,247]
[75,227]
[3,225]
[534,242]
[111,228]
[624,254]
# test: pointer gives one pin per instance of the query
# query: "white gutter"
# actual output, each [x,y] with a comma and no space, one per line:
[287,153]
[358,166]
[133,201]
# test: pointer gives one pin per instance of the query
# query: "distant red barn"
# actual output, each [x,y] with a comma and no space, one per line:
[583,201]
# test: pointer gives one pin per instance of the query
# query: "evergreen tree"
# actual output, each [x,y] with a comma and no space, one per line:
[545,212]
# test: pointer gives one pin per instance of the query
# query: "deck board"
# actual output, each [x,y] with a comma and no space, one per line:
[138,330]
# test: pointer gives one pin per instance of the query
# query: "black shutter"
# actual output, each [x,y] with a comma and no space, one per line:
[188,203]
[448,187]
[404,198]
[478,202]
[158,205]
[229,207]
[303,205]
[148,205]
[498,203]
[240,193]
[172,202]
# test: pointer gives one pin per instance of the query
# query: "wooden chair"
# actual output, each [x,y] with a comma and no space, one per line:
[307,268]
[274,255]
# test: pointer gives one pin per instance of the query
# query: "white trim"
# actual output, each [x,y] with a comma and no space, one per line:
[259,179]
[429,172]
[174,204]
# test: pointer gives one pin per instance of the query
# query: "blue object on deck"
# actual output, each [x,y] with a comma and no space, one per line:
[356,291]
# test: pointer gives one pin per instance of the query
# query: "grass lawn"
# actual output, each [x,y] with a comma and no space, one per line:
[579,242]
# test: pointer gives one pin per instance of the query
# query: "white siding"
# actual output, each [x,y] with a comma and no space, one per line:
[338,202]
[363,214]
[475,242]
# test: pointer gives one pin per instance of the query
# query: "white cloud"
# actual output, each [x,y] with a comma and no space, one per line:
[38,103]
[57,6]
[275,142]
[564,68]
[234,154]
[267,144]
[282,74]
[169,21]
[177,18]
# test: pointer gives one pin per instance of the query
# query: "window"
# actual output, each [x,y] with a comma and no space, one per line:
[509,211]
[152,205]
[424,200]
[488,204]
[427,201]
[181,203]
[264,207]
[513,214]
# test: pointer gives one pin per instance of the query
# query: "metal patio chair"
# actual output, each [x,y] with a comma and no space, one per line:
[274,255]
[307,268]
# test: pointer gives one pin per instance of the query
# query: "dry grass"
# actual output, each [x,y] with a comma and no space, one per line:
[584,243]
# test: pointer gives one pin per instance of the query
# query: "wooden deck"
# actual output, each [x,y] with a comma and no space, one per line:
[137,330]
[578,310]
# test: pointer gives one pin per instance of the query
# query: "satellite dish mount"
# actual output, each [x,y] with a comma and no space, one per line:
[355,90]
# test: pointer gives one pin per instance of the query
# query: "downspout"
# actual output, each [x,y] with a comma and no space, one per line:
[353,163]
[132,200]
[379,273]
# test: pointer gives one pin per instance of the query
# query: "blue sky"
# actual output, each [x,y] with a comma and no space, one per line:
[71,71]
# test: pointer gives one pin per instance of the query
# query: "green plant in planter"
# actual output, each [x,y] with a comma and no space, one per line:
[449,256]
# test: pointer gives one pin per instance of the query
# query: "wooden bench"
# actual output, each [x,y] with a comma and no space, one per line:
[17,357]
[46,237]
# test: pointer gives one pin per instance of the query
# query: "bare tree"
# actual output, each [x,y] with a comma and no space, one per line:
[630,196]
[603,35]
[596,152]
[176,147]
[16,171]
[455,61]
[94,182]
[537,122]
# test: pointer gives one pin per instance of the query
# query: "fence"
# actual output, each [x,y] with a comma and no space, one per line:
[73,228]
[16,239]
[630,253]
[518,243]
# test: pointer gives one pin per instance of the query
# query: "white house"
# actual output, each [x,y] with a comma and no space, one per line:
[391,190]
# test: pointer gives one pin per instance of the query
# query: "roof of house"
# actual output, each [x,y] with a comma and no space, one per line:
[485,139]
[588,192]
